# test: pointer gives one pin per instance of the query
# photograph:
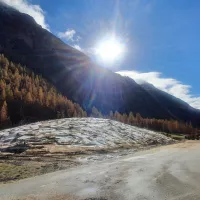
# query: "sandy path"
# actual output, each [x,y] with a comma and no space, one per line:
[171,172]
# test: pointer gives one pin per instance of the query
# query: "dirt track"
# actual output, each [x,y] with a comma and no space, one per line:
[171,172]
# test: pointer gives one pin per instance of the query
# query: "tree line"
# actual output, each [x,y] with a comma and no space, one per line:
[26,97]
[167,126]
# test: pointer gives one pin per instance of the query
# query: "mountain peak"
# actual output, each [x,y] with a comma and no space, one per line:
[13,14]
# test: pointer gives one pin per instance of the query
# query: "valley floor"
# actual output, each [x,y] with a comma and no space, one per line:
[168,172]
[48,146]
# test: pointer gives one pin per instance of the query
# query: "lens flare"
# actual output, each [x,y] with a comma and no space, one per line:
[109,50]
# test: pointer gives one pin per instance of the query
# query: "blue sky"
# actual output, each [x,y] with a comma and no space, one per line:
[162,37]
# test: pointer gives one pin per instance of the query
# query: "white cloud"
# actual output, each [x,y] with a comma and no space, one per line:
[169,85]
[69,35]
[76,46]
[33,10]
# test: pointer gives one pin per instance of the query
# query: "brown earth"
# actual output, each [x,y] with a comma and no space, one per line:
[170,172]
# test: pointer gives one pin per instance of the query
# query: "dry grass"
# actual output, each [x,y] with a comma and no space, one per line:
[13,171]
[10,172]
[177,137]
[53,197]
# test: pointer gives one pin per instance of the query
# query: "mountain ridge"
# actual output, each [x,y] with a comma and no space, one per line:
[76,76]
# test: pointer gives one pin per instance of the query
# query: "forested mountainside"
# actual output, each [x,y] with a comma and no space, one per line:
[26,97]
[73,74]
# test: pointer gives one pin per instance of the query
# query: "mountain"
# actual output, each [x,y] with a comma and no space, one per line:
[175,106]
[75,75]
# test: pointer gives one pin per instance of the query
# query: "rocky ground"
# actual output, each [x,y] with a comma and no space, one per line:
[47,146]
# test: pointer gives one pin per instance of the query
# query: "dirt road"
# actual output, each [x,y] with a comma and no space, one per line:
[165,173]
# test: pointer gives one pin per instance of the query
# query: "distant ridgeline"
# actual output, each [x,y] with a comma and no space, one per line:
[26,97]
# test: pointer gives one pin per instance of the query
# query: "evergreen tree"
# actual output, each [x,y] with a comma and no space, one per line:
[4,112]
[9,93]
[28,98]
[40,95]
[95,112]
[130,118]
[111,115]
[3,94]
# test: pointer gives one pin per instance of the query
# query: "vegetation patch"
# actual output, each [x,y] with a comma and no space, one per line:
[177,137]
[10,172]
[41,197]
[16,170]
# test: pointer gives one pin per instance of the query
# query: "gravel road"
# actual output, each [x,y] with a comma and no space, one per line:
[165,173]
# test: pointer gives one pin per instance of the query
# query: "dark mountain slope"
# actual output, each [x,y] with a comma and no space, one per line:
[74,74]
[175,106]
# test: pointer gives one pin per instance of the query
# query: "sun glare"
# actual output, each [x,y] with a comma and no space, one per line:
[109,50]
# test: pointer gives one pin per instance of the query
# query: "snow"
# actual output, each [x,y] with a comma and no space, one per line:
[82,132]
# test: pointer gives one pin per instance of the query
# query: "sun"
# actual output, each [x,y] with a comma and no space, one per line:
[109,50]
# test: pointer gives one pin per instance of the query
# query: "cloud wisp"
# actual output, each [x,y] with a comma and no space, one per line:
[69,35]
[169,85]
[33,10]
[76,46]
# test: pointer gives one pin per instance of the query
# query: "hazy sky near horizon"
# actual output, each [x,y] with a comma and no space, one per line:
[162,37]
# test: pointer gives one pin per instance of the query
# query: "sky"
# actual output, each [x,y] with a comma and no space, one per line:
[161,37]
